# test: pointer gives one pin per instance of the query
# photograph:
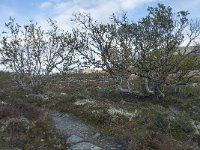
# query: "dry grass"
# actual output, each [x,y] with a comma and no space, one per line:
[160,123]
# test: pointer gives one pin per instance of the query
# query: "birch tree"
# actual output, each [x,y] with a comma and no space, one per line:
[33,53]
[149,48]
[157,38]
[111,43]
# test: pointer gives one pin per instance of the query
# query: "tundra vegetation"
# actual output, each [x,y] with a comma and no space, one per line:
[146,98]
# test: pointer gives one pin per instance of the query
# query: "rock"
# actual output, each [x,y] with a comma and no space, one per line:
[73,139]
[194,84]
[97,135]
[84,146]
[63,94]
[187,127]
[196,125]
[174,110]
[130,115]
[3,103]
[84,101]
[67,124]
[122,90]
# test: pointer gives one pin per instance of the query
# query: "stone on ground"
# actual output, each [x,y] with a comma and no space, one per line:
[84,146]
[73,139]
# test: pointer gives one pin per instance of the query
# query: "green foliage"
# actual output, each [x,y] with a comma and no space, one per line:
[157,38]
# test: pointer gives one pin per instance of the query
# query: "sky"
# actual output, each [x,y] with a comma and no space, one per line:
[62,10]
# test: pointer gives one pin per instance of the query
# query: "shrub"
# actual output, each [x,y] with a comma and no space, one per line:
[7,111]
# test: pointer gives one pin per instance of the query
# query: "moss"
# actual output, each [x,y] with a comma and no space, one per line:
[168,101]
[161,123]
[176,131]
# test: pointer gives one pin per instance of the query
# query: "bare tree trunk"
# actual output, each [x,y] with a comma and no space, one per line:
[159,93]
[146,83]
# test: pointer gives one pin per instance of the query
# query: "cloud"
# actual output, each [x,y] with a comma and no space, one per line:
[101,10]
[104,11]
[64,6]
[131,4]
[46,5]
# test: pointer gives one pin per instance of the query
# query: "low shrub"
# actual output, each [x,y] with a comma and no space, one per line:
[28,111]
[24,134]
[7,111]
